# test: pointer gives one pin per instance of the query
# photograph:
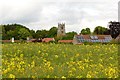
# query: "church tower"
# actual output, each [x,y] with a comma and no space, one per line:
[61,29]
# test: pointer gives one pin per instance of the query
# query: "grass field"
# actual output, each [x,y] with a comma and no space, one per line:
[31,60]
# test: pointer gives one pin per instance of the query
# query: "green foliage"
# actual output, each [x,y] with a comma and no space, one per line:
[52,32]
[33,34]
[101,30]
[69,36]
[0,33]
[85,31]
[24,33]
[13,27]
[41,33]
[11,34]
[52,41]
[11,30]
[17,31]
[1,28]
[45,33]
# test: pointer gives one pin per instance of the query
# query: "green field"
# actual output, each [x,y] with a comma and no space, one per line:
[38,60]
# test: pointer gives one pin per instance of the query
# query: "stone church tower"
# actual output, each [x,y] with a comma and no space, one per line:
[61,29]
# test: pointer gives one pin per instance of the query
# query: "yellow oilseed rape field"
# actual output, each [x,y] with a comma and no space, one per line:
[38,60]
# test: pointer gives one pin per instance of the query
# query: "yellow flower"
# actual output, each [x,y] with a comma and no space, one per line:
[89,76]
[32,64]
[81,67]
[86,60]
[51,68]
[111,58]
[101,60]
[73,69]
[4,72]
[63,77]
[39,51]
[33,76]
[48,76]
[21,55]
[56,56]
[11,76]
[79,77]
[7,70]
[77,55]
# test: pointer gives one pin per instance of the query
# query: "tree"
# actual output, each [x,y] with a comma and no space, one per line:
[52,32]
[3,32]
[41,33]
[14,27]
[86,31]
[101,30]
[24,33]
[69,36]
[11,30]
[33,34]
[1,27]
[10,34]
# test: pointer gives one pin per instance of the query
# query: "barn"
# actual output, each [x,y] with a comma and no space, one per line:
[65,41]
[78,39]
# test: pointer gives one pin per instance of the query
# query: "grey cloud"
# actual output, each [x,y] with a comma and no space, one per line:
[22,16]
[73,13]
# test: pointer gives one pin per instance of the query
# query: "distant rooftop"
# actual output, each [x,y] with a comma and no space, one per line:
[92,38]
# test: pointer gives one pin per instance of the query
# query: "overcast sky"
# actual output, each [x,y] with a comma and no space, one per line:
[44,14]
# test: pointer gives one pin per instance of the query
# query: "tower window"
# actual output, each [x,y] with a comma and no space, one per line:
[61,27]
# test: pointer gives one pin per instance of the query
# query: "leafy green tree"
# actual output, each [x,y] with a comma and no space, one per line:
[24,33]
[3,31]
[11,30]
[88,30]
[14,27]
[85,31]
[10,34]
[41,33]
[33,34]
[52,32]
[101,30]
[69,36]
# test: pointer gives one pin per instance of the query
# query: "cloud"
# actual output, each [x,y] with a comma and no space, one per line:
[77,14]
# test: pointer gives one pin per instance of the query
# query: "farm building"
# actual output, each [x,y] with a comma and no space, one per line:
[48,39]
[34,40]
[65,41]
[5,41]
[78,39]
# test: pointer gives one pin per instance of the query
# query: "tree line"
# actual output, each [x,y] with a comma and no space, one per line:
[20,32]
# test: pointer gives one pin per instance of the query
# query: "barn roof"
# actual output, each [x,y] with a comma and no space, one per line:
[48,39]
[93,38]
